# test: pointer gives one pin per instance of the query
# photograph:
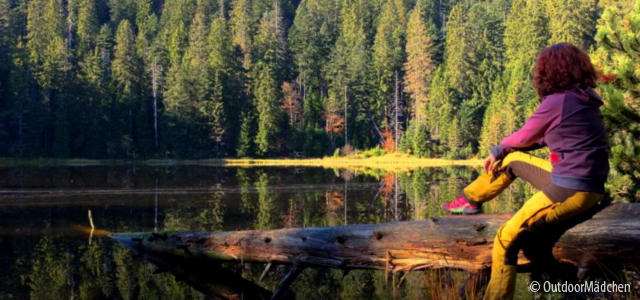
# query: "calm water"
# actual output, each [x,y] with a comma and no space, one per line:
[45,256]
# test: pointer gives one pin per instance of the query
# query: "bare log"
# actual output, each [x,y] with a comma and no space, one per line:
[610,237]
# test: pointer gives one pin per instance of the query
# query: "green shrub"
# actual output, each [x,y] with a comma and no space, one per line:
[421,141]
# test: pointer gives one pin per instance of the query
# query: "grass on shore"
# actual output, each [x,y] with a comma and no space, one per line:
[391,162]
[387,162]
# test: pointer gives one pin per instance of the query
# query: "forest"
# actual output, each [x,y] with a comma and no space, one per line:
[131,79]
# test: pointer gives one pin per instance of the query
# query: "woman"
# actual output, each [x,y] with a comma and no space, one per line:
[569,122]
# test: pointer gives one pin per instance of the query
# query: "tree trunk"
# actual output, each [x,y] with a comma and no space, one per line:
[610,238]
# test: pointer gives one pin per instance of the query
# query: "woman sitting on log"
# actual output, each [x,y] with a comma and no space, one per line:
[569,122]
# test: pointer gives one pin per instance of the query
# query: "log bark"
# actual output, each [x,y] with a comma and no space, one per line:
[610,236]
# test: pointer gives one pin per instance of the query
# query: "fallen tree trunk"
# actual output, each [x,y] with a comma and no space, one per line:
[611,237]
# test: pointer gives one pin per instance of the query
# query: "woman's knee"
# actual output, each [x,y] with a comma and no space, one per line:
[504,236]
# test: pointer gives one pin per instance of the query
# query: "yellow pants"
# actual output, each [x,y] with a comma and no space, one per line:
[538,211]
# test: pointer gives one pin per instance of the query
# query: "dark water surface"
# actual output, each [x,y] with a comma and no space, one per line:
[45,256]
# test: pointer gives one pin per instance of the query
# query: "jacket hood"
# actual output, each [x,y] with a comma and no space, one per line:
[590,96]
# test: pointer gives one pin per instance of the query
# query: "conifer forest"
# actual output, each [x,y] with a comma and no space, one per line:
[138,79]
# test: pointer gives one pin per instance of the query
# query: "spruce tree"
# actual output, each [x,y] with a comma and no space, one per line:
[5,42]
[177,95]
[311,38]
[457,49]
[484,64]
[120,10]
[420,65]
[421,141]
[266,91]
[243,27]
[125,80]
[17,86]
[571,21]
[201,79]
[388,56]
[266,95]
[439,108]
[226,93]
[45,41]
[147,25]
[351,78]
[88,26]
[125,64]
[245,139]
[406,141]
[514,98]
[49,61]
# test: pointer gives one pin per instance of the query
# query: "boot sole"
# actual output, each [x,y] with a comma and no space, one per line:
[465,213]
[462,213]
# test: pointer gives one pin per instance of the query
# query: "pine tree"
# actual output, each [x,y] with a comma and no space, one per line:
[420,65]
[617,58]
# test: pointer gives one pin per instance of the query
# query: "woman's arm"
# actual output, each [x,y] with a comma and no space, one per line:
[501,150]
[531,135]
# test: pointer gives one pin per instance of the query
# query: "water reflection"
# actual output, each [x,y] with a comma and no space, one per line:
[43,257]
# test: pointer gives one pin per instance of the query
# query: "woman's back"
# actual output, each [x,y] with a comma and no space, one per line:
[577,140]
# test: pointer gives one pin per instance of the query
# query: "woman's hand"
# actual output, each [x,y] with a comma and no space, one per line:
[489,163]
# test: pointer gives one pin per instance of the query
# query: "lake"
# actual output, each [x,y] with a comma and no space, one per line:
[47,254]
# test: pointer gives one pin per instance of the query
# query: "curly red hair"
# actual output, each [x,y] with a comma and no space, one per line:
[561,67]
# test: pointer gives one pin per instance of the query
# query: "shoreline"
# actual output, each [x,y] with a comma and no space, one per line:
[387,162]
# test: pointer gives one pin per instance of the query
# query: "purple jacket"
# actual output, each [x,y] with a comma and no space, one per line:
[571,125]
